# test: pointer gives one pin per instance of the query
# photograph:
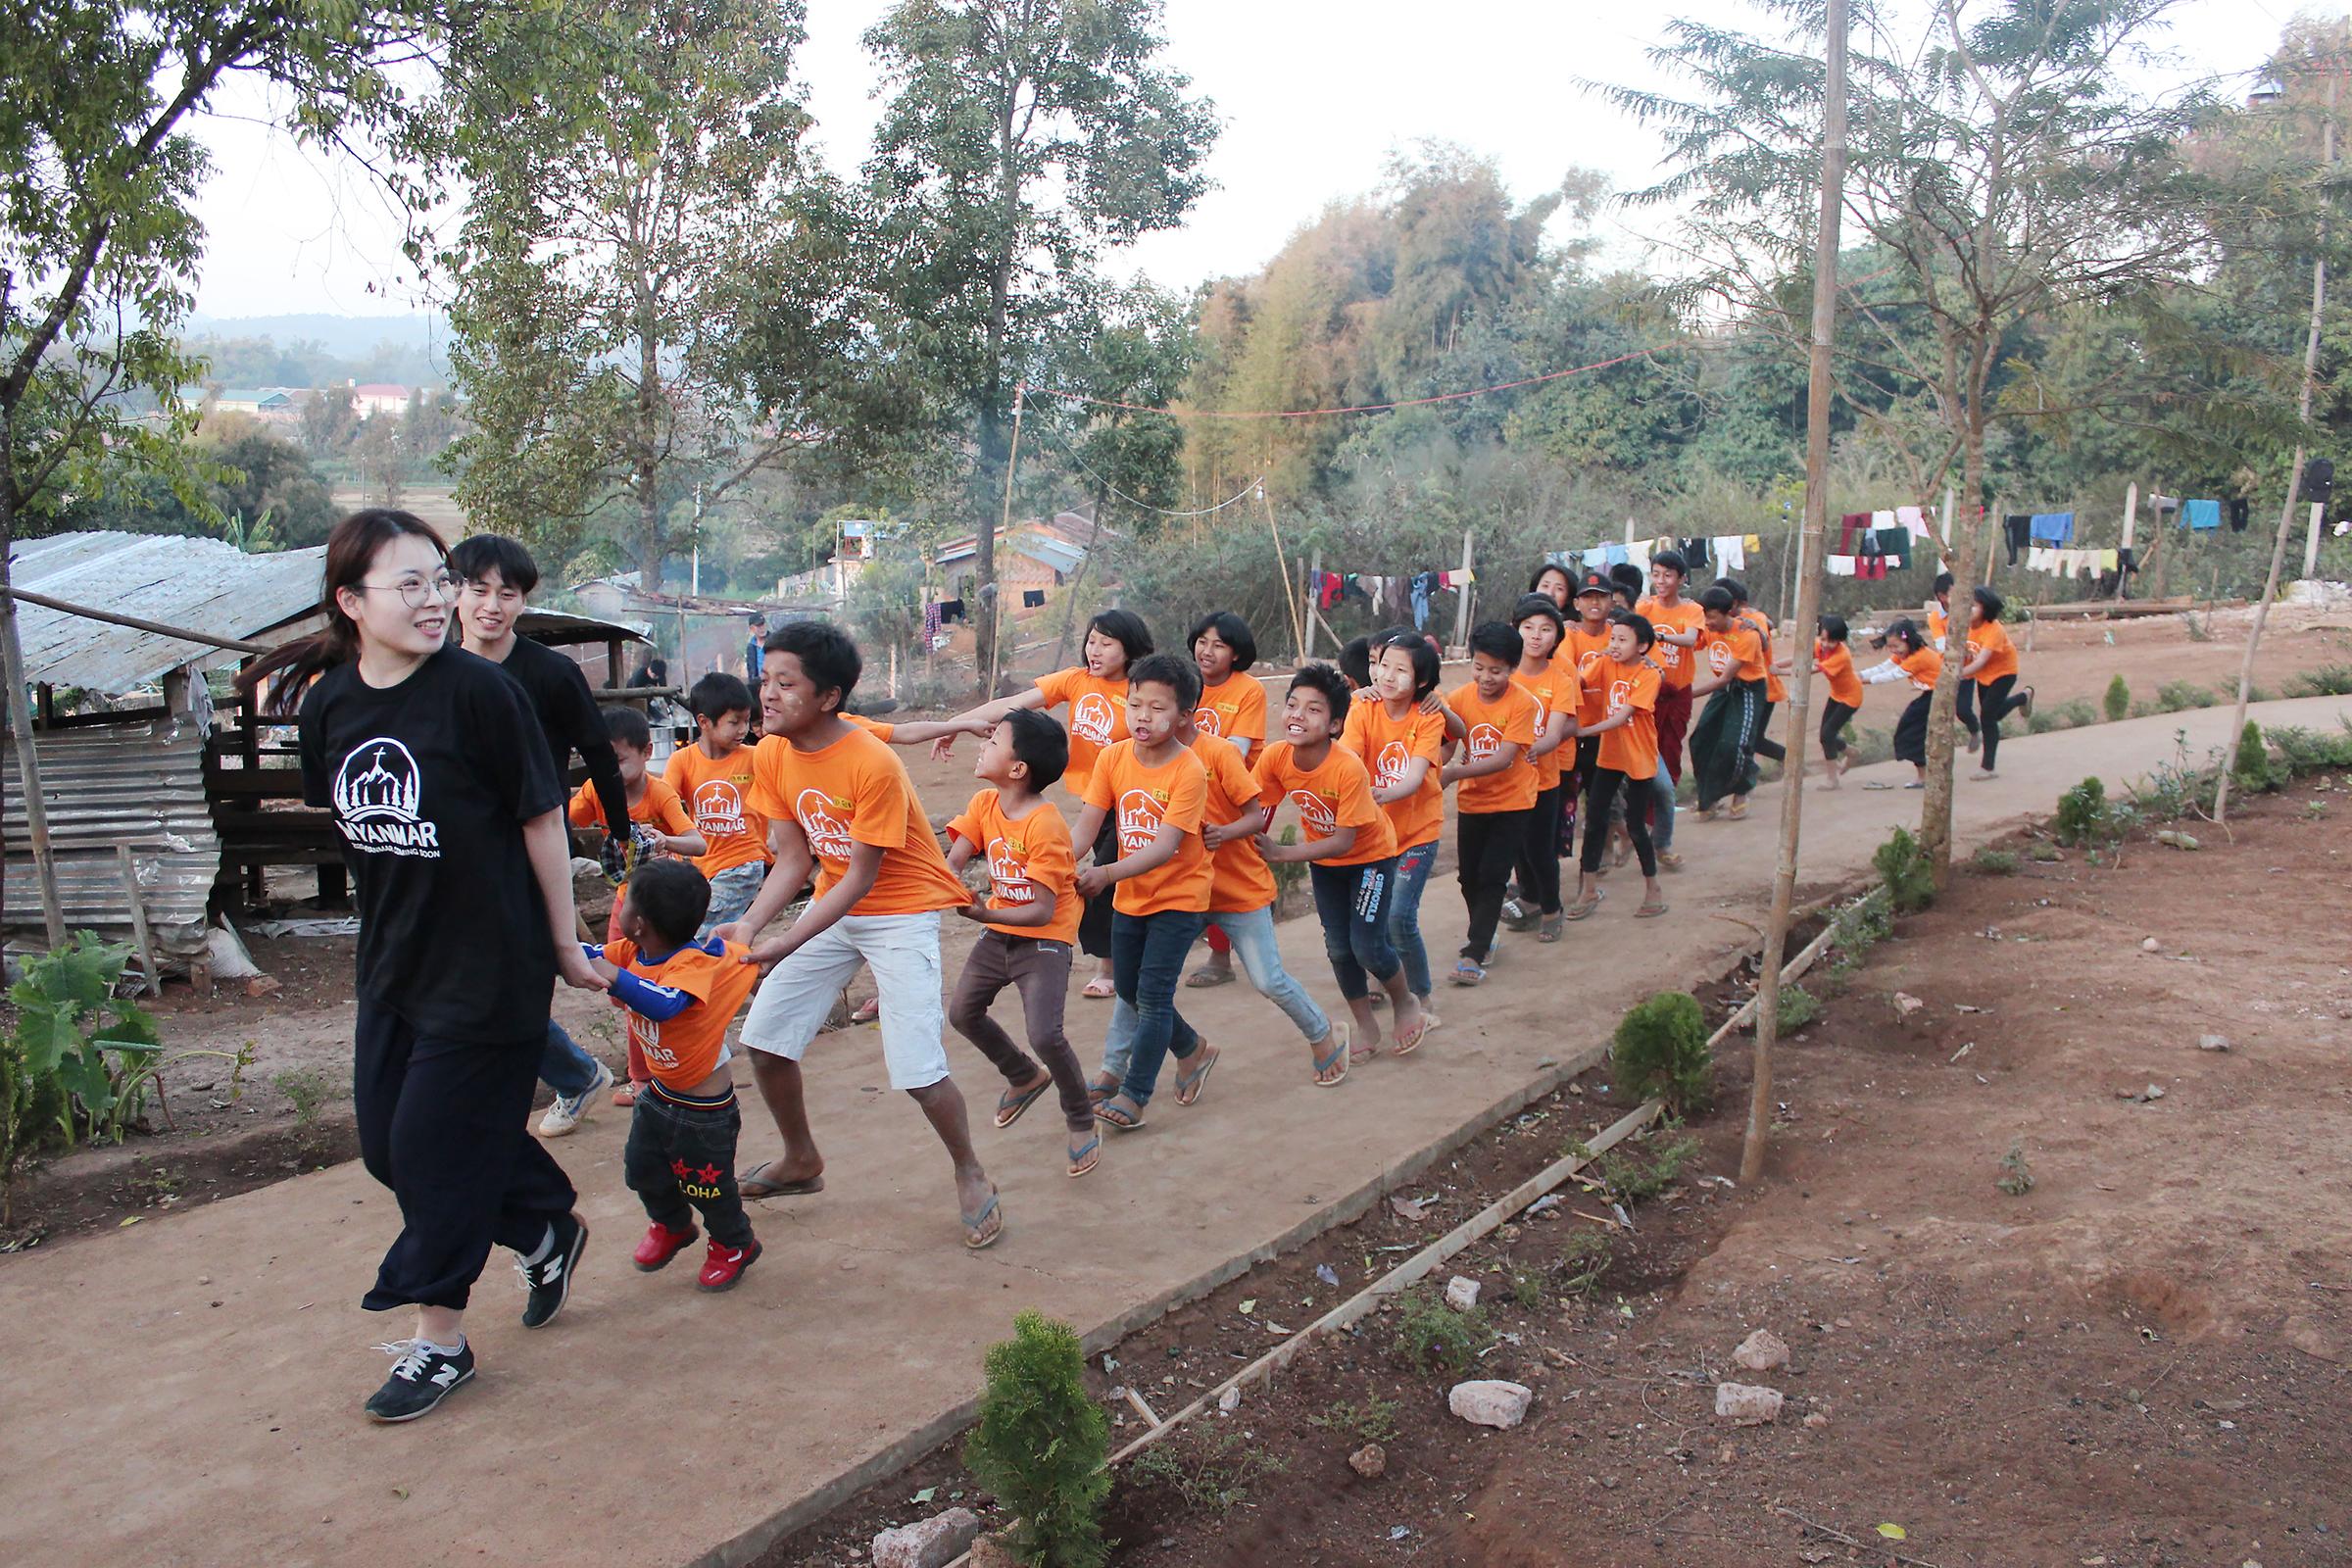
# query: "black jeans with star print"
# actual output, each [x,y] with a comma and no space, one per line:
[681,1157]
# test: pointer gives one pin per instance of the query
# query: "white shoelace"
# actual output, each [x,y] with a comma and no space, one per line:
[413,1355]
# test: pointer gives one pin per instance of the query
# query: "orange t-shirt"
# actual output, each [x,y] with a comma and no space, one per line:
[683,1051]
[1033,848]
[1387,747]
[1632,748]
[658,806]
[1234,708]
[1937,623]
[1334,794]
[1555,690]
[1139,800]
[1098,718]
[1240,880]
[713,790]
[1923,666]
[1677,666]
[872,726]
[1835,661]
[2004,652]
[1774,691]
[1739,650]
[1581,650]
[1492,726]
[855,791]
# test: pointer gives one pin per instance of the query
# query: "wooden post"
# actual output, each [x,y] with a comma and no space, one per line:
[138,919]
[28,767]
[1314,604]
[2311,541]
[2123,575]
[1808,573]
[2001,510]
[1464,597]
[1943,523]
[2163,557]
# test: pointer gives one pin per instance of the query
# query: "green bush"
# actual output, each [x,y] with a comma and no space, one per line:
[2330,681]
[1584,1261]
[1637,1173]
[1661,1051]
[2175,694]
[1996,863]
[78,1062]
[2253,774]
[1041,1445]
[1799,1008]
[1432,1337]
[2303,750]
[1903,870]
[2077,712]
[2084,814]
[2117,702]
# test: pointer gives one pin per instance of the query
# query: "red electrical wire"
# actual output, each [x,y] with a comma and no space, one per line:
[1360,408]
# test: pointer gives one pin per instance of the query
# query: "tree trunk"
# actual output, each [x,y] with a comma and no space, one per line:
[650,551]
[1961,550]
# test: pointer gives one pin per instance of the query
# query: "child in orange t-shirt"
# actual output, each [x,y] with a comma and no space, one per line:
[1773,692]
[1833,661]
[1553,682]
[680,1156]
[1495,789]
[713,778]
[1151,790]
[1404,744]
[1347,846]
[1731,676]
[1031,919]
[1992,667]
[1626,761]
[1233,709]
[1910,658]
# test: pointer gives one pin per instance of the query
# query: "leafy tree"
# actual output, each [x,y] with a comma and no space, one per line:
[1021,140]
[2000,167]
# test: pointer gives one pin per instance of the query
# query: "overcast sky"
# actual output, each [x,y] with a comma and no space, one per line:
[1315,95]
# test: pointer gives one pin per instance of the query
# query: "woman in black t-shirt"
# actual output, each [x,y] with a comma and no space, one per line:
[452,823]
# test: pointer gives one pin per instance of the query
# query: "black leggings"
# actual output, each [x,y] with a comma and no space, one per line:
[1911,731]
[1094,917]
[1992,707]
[1835,717]
[1763,746]
[1606,781]
[1487,847]
[1539,852]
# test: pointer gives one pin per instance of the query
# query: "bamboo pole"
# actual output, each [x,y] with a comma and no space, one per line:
[991,595]
[2294,480]
[1807,568]
[28,766]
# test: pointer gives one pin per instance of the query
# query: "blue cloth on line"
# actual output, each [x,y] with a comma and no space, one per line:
[2052,527]
[2200,514]
[1614,556]
[1597,557]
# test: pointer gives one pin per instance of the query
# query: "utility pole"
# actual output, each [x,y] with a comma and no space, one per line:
[1807,571]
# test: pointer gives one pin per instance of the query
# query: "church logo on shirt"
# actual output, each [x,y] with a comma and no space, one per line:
[1320,812]
[1621,691]
[718,810]
[1389,766]
[645,1034]
[1484,741]
[1141,812]
[1719,657]
[828,834]
[378,797]
[1092,718]
[1211,720]
[1009,869]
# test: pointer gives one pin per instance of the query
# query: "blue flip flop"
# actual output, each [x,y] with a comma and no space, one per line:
[1191,1085]
[1089,1155]
[972,1222]
[1338,1055]
[1009,1104]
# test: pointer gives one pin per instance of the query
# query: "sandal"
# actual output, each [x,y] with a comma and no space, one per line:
[1096,1093]
[1098,989]
[866,1012]
[1582,909]
[975,1238]
[1737,814]
[1208,974]
[1550,931]
[752,1185]
[1119,1119]
[1012,1102]
[1469,972]
[1189,1085]
[1649,912]
[1339,1059]
[1407,1043]
[1086,1156]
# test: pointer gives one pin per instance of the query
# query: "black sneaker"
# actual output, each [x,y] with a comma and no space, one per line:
[549,1281]
[420,1379]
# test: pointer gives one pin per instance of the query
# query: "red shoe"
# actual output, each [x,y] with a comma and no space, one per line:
[661,1244]
[723,1265]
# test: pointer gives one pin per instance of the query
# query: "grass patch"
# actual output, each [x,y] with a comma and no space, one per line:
[1213,1472]
[1638,1174]
[1994,862]
[1373,1421]
[1584,1262]
[2177,696]
[1432,1337]
[2329,680]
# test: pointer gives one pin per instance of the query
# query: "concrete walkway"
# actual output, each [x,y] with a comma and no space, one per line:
[187,1391]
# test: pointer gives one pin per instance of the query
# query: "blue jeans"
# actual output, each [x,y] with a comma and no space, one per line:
[563,1065]
[1404,914]
[1661,816]
[1352,902]
[1252,932]
[732,894]
[1146,959]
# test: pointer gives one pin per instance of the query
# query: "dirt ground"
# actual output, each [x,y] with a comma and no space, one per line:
[2141,1359]
[289,1108]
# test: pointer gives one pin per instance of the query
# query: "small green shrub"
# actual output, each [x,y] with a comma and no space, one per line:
[2077,713]
[2118,701]
[1527,1290]
[1799,1008]
[2329,680]
[1996,863]
[1373,1421]
[2304,750]
[79,1062]
[2016,1178]
[1584,1262]
[1041,1445]
[1212,1468]
[1661,1051]
[308,1091]
[2253,773]
[1432,1337]
[1904,872]
[2173,695]
[2045,854]
[2084,814]
[1638,1173]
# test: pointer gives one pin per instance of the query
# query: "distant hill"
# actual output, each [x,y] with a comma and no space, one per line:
[343,337]
[319,350]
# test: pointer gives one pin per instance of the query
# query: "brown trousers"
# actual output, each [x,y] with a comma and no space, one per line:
[1042,972]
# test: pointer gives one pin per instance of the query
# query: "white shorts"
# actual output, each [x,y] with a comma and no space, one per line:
[903,949]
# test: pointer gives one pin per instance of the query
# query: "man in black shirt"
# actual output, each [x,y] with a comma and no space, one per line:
[496,576]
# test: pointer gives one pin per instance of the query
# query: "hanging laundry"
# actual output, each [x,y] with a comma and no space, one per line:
[1694,552]
[1914,520]
[1883,519]
[1896,562]
[2055,527]
[2318,478]
[2109,561]
[1423,585]
[1326,590]
[1031,598]
[1614,556]
[2201,515]
[1888,542]
[951,611]
[2040,558]
[1842,565]
[1752,541]
[1871,568]
[1597,559]
[2237,514]
[1848,525]
[1730,551]
[2014,528]
[930,623]
[2124,560]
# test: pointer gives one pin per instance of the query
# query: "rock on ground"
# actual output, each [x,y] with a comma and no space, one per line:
[1761,1352]
[1490,1402]
[1461,1294]
[931,1542]
[1371,1461]
[1746,1404]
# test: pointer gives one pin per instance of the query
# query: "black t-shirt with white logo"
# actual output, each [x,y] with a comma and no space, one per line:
[430,782]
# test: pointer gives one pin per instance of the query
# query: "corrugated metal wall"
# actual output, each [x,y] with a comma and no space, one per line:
[135,784]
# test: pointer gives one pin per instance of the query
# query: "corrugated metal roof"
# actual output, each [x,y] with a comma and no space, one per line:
[203,584]
[135,784]
[560,627]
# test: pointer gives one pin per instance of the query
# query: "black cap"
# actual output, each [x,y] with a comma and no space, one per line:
[1595,582]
